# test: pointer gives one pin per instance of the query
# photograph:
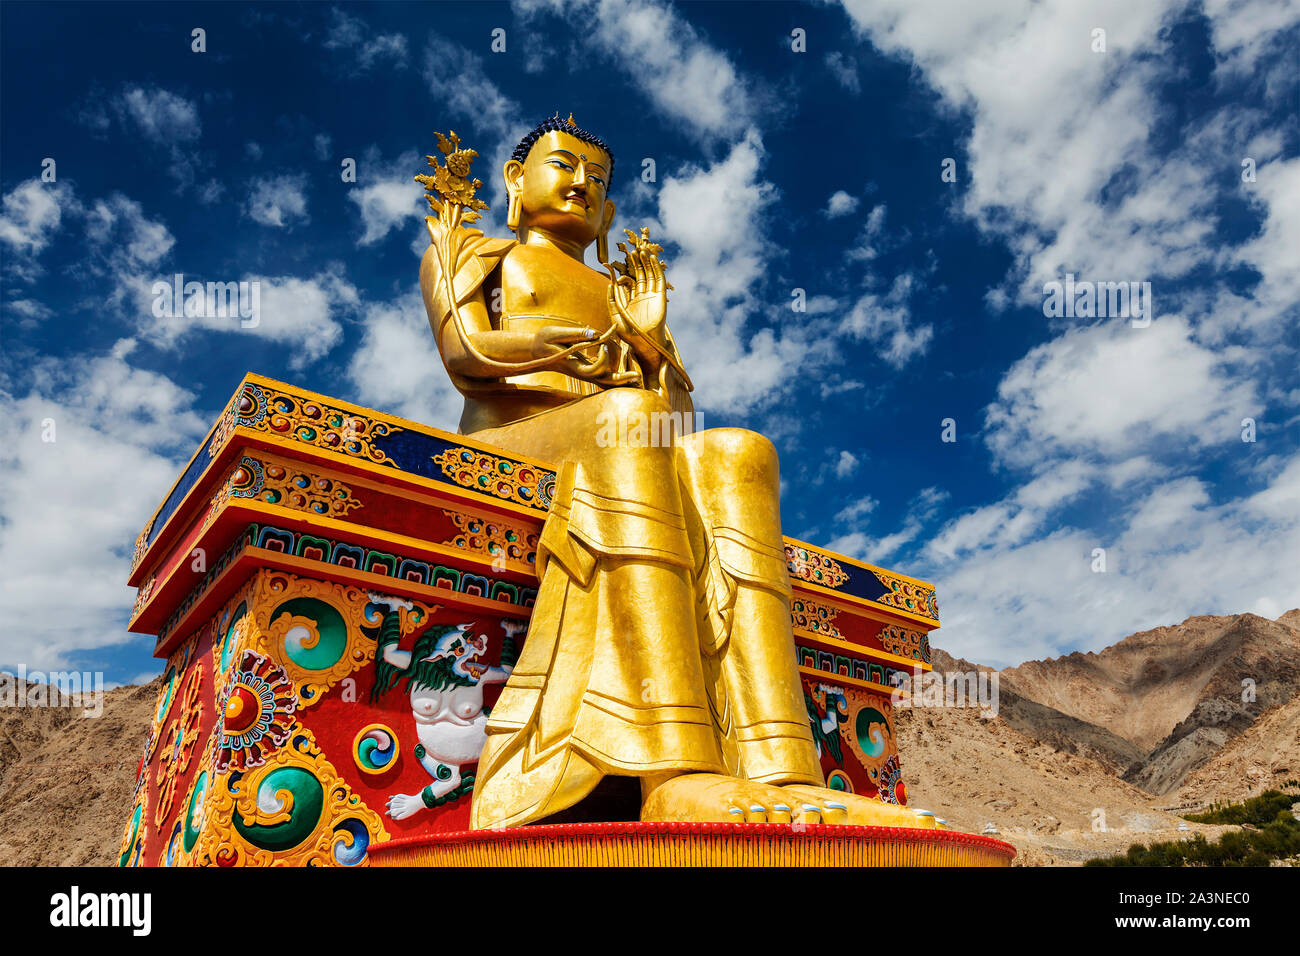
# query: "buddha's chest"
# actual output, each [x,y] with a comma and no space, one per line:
[546,283]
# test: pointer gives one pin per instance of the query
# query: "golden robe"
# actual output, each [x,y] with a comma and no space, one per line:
[660,640]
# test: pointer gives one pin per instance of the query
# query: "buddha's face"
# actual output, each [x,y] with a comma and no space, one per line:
[563,186]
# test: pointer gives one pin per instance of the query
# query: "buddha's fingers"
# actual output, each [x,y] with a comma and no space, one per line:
[638,270]
[656,275]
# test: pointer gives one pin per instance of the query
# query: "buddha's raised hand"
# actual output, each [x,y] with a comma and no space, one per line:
[641,292]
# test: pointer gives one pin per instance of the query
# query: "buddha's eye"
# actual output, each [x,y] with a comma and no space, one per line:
[561,164]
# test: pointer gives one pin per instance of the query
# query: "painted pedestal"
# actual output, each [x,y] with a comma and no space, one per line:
[312,551]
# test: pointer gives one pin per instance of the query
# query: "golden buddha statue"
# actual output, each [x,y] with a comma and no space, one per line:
[660,645]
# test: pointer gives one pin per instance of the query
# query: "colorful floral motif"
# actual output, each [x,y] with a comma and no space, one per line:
[808,565]
[306,421]
[500,477]
[255,713]
[907,596]
[497,540]
[905,642]
[178,743]
[811,616]
[141,545]
[889,781]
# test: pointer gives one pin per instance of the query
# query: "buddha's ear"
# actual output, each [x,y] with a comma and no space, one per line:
[608,219]
[512,171]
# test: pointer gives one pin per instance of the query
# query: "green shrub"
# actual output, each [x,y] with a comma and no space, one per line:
[1277,837]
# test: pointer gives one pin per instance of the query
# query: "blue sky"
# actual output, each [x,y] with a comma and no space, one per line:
[776,170]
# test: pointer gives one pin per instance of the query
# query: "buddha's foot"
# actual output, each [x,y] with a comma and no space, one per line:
[715,798]
[866,811]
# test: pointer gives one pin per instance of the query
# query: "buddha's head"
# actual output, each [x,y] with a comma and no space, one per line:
[558,182]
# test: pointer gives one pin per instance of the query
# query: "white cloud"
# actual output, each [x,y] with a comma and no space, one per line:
[841,203]
[70,509]
[386,196]
[28,309]
[162,117]
[1071,164]
[1273,252]
[210,192]
[397,367]
[32,214]
[1112,390]
[1021,515]
[685,77]
[1244,29]
[846,464]
[1175,553]
[886,322]
[122,233]
[844,70]
[303,314]
[278,201]
[711,216]
[352,33]
[856,511]
[859,544]
[166,120]
[461,85]
[872,237]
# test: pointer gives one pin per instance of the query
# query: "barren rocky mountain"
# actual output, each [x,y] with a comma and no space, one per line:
[1266,755]
[66,781]
[1041,723]
[1175,694]
[1056,808]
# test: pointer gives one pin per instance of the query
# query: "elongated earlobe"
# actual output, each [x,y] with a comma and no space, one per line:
[513,171]
[602,240]
[513,208]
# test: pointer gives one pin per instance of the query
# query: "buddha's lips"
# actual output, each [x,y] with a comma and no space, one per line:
[574,197]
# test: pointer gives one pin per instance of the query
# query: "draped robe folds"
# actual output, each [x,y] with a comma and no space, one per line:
[660,640]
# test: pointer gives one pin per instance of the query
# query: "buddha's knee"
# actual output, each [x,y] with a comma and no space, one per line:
[629,401]
[733,448]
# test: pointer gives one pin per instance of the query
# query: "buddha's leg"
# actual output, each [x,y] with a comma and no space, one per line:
[733,498]
[733,483]
[609,679]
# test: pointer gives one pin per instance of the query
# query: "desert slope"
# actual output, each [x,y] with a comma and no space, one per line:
[66,782]
[1175,694]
